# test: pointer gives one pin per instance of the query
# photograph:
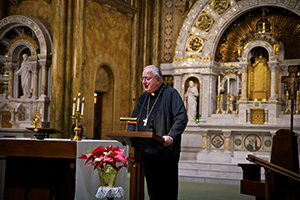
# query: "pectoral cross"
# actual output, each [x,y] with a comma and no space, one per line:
[145,121]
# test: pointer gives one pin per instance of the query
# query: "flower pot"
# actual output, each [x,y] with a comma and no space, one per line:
[107,176]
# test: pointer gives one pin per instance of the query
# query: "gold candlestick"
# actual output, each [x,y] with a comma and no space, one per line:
[287,109]
[218,104]
[297,111]
[237,105]
[228,111]
[77,115]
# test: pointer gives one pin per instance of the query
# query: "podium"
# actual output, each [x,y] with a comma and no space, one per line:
[139,140]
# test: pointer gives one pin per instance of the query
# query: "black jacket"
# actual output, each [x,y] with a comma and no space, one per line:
[169,119]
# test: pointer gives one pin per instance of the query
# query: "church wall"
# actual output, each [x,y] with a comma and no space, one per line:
[107,41]
[38,9]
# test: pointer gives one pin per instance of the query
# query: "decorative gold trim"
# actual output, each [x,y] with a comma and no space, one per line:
[257,116]
[191,57]
[23,37]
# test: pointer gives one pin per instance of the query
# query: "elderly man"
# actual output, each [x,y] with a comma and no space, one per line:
[161,109]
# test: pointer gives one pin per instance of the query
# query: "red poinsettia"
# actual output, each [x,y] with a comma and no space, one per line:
[101,157]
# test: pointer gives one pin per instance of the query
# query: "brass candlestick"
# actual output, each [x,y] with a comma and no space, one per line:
[77,115]
[218,104]
[228,111]
[297,111]
[287,109]
[237,105]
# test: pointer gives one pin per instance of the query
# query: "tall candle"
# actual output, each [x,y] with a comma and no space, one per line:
[78,102]
[95,97]
[218,84]
[237,85]
[228,89]
[73,109]
[82,105]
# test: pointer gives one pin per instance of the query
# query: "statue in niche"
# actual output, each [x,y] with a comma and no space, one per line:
[276,47]
[25,73]
[191,101]
[260,81]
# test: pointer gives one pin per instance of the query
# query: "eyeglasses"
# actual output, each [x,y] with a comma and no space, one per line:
[147,79]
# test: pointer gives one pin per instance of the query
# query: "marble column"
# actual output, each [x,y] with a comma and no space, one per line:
[58,63]
[10,78]
[44,79]
[244,82]
[273,68]
[134,70]
[35,81]
[78,60]
[156,33]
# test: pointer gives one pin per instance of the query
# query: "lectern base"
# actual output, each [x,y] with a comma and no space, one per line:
[137,172]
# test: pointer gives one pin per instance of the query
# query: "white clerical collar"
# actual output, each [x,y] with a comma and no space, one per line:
[153,94]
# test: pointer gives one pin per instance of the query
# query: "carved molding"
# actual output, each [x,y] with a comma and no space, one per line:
[115,5]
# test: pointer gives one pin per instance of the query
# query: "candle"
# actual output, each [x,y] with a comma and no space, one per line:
[228,86]
[78,102]
[73,109]
[95,97]
[237,85]
[218,84]
[82,105]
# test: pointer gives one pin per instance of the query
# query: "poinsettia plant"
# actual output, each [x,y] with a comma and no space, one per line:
[101,157]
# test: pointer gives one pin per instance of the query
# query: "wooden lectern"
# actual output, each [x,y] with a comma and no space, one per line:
[138,140]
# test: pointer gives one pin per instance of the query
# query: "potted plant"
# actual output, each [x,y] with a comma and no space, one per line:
[108,161]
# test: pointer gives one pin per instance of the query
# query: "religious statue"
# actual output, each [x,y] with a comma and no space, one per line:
[191,101]
[276,47]
[260,85]
[24,72]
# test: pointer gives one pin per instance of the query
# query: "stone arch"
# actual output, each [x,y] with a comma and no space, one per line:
[212,37]
[111,67]
[40,29]
[254,44]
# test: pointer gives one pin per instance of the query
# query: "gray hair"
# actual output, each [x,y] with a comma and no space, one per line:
[156,70]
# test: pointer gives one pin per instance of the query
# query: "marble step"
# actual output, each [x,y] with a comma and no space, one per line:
[222,173]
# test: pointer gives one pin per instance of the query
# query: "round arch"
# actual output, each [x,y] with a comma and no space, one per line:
[211,38]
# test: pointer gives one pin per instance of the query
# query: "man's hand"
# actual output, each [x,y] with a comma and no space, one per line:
[168,140]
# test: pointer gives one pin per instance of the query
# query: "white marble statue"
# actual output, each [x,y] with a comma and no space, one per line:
[25,73]
[191,101]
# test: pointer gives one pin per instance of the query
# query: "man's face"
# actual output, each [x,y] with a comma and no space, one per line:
[150,82]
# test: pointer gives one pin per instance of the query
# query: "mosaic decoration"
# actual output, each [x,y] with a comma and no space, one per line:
[195,44]
[168,80]
[204,22]
[252,142]
[217,141]
[257,116]
[237,142]
[268,143]
[3,87]
[219,6]
[168,45]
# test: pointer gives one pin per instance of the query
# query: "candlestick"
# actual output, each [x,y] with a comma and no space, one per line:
[228,90]
[73,109]
[82,105]
[78,102]
[237,85]
[218,84]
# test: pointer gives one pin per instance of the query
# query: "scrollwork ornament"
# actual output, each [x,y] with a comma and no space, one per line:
[219,6]
[204,22]
[195,44]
